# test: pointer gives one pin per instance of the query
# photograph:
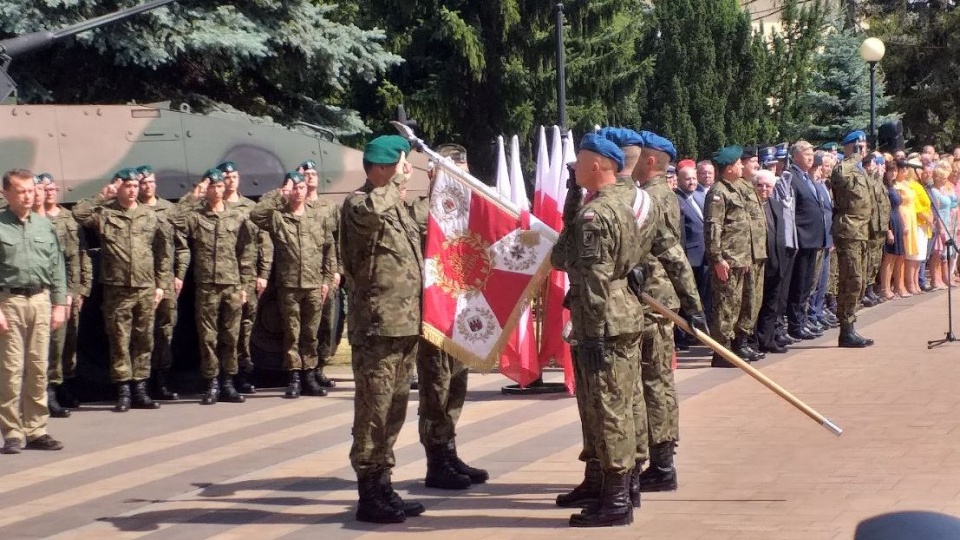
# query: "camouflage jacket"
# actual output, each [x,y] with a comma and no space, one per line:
[133,243]
[73,242]
[880,217]
[597,250]
[727,227]
[302,245]
[332,212]
[852,200]
[221,245]
[382,262]
[264,242]
[165,211]
[758,221]
[420,210]
[666,268]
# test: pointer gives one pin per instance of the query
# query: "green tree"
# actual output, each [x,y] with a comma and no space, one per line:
[289,60]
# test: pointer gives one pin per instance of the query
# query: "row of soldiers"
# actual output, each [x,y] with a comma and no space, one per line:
[147,245]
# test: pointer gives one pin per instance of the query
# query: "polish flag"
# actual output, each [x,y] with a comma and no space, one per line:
[503,174]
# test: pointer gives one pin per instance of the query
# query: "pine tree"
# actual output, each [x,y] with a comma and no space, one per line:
[285,59]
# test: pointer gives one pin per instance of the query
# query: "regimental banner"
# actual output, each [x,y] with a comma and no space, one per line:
[484,260]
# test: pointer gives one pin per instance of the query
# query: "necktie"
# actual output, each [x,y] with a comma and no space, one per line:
[696,206]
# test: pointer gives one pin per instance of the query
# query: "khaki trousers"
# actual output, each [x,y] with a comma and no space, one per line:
[24,348]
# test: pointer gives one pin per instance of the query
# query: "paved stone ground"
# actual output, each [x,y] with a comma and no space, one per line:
[751,466]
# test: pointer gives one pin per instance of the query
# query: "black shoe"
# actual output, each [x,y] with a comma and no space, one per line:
[141,399]
[44,442]
[11,446]
[243,384]
[441,473]
[815,330]
[123,397]
[409,509]
[160,389]
[776,348]
[801,334]
[310,385]
[661,475]
[325,381]
[373,508]
[56,411]
[720,362]
[850,339]
[65,397]
[615,506]
[477,476]
[588,492]
[756,353]
[293,386]
[228,392]
[866,301]
[866,340]
[212,394]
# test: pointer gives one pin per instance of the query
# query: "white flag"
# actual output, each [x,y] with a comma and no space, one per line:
[503,174]
[518,188]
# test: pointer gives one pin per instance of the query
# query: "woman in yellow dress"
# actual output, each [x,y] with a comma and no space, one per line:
[921,204]
[908,212]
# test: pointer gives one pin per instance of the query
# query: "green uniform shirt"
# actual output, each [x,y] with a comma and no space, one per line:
[880,217]
[758,221]
[727,224]
[223,246]
[852,200]
[30,255]
[264,242]
[73,243]
[302,245]
[331,211]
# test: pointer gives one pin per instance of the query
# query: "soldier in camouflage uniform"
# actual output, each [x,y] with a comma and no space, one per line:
[879,225]
[302,238]
[330,317]
[383,265]
[231,182]
[852,212]
[728,232]
[134,269]
[600,245]
[79,271]
[223,254]
[752,280]
[165,317]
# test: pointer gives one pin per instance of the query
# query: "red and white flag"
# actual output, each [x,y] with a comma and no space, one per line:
[484,260]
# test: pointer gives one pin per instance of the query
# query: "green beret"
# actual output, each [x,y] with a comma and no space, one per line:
[44,178]
[294,177]
[127,175]
[830,147]
[309,165]
[727,155]
[214,176]
[227,166]
[145,170]
[385,150]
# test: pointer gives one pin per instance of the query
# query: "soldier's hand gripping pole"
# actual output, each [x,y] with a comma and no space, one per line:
[737,361]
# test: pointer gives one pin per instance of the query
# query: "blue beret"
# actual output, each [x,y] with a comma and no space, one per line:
[781,151]
[621,137]
[671,170]
[727,155]
[854,136]
[385,150]
[294,177]
[227,166]
[145,170]
[768,155]
[604,147]
[214,176]
[309,165]
[656,142]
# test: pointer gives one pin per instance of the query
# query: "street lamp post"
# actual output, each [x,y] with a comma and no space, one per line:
[872,50]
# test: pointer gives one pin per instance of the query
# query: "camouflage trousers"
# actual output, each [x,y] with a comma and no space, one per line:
[874,256]
[832,282]
[736,303]
[300,311]
[655,385]
[443,389]
[248,316]
[128,318]
[852,256]
[381,370]
[165,318]
[606,405]
[63,349]
[218,311]
[330,327]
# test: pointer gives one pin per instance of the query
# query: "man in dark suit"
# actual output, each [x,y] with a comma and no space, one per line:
[691,210]
[778,266]
[812,229]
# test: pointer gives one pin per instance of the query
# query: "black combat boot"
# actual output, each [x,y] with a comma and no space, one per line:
[477,476]
[160,389]
[53,405]
[615,507]
[440,472]
[325,381]
[661,475]
[635,484]
[741,349]
[373,508]
[228,392]
[720,362]
[243,384]
[310,385]
[65,397]
[588,492]
[123,397]
[850,339]
[212,395]
[866,340]
[409,509]
[141,399]
[293,385]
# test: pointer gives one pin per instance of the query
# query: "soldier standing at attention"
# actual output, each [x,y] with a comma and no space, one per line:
[79,272]
[442,379]
[224,253]
[599,246]
[165,318]
[330,315]
[383,264]
[852,211]
[302,238]
[33,300]
[134,269]
[752,280]
[231,183]
[728,234]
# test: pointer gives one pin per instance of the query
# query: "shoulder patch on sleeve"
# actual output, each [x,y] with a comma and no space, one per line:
[716,197]
[589,215]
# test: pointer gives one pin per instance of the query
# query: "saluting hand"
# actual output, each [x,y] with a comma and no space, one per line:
[109,191]
[58,316]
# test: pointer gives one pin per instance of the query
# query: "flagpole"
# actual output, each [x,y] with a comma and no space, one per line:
[561,73]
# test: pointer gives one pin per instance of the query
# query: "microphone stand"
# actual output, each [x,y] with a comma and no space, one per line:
[951,244]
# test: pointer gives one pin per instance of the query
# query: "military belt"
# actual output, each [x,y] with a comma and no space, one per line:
[23,291]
